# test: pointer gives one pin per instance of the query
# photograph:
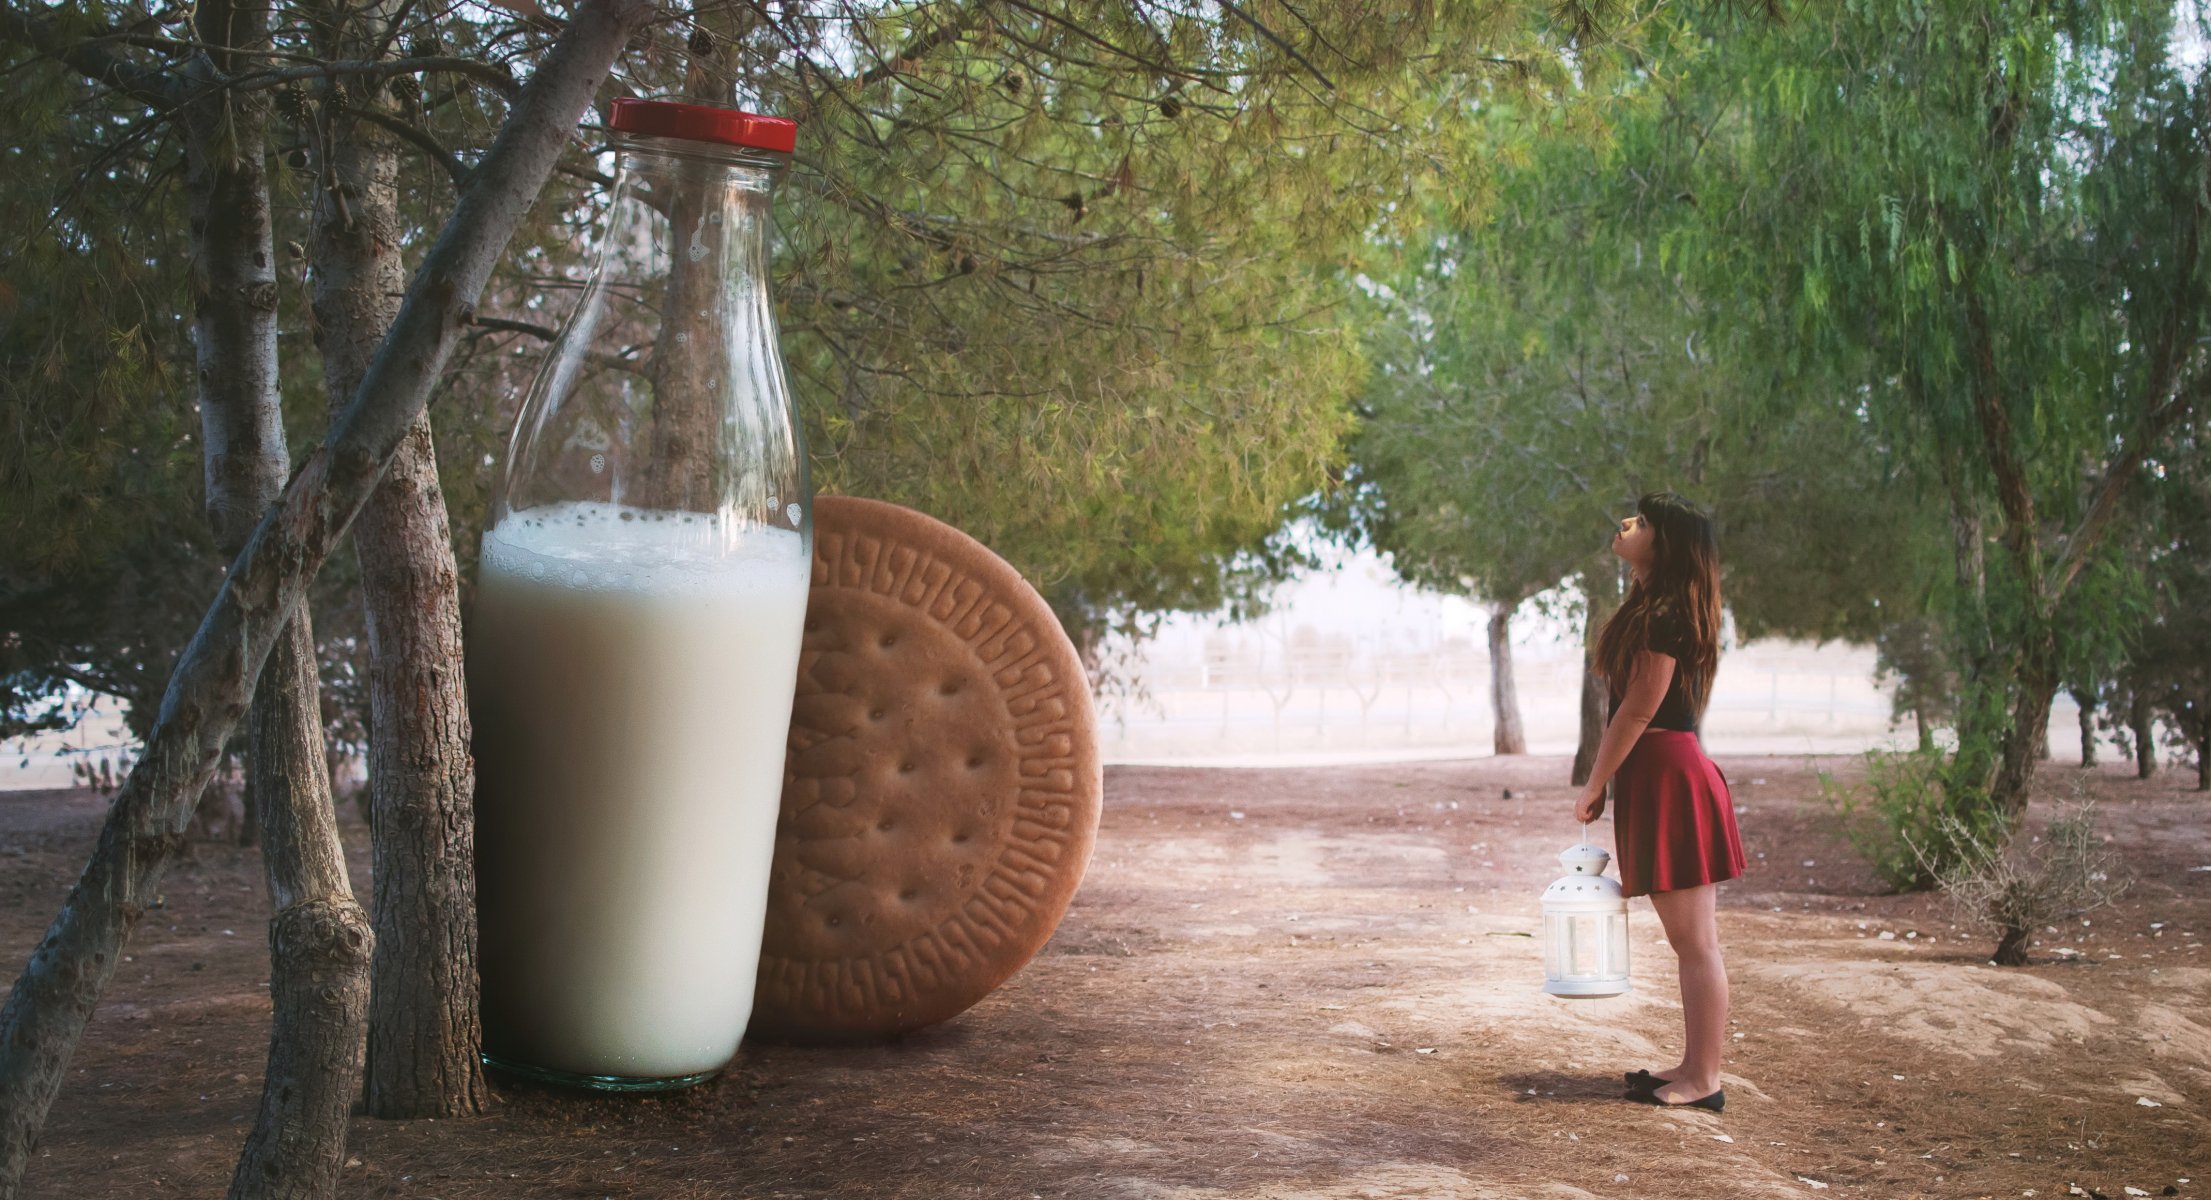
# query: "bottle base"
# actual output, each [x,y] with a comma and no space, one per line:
[624,1084]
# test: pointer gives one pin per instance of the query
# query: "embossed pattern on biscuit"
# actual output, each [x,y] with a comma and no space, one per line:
[942,785]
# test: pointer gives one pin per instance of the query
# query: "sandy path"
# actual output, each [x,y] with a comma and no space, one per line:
[1330,996]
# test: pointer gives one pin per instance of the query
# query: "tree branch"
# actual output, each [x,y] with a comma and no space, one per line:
[98,63]
[489,74]
[920,45]
[543,333]
[2014,493]
[1278,40]
[2173,348]
[2119,477]
[419,138]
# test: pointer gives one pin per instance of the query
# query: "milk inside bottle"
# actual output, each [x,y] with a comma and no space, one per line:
[634,640]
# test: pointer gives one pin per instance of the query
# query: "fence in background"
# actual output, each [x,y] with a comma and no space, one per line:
[1305,693]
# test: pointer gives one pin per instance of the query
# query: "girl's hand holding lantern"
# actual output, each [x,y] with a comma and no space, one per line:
[1591,805]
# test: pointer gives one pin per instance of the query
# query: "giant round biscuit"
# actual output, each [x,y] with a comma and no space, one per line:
[941,788]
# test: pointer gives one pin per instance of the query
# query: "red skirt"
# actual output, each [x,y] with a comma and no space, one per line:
[1673,817]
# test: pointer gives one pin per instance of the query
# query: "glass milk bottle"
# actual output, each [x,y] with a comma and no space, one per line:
[634,643]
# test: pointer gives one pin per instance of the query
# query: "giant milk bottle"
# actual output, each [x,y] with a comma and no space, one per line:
[634,643]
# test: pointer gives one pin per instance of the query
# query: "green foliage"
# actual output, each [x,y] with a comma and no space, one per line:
[1533,374]
[1903,820]
[99,462]
[1540,367]
[106,561]
[2172,651]
[1072,280]
[1065,274]
[94,356]
[1069,276]
[1912,657]
[1981,222]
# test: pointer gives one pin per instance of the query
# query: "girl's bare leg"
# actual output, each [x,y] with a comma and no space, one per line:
[1692,929]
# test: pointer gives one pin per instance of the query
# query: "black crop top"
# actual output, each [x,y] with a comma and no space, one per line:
[1669,635]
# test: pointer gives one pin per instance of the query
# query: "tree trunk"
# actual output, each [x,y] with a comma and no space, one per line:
[1596,700]
[219,810]
[1969,561]
[692,348]
[2140,723]
[46,1011]
[2203,757]
[314,1040]
[2029,728]
[1925,728]
[1595,711]
[1504,697]
[1972,763]
[2011,948]
[233,286]
[424,1032]
[2086,699]
[319,942]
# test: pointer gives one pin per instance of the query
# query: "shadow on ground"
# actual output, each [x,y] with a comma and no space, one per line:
[1331,996]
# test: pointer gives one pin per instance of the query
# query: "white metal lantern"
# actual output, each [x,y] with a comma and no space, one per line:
[1585,928]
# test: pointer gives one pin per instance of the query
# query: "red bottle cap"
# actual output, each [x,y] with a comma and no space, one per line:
[703,123]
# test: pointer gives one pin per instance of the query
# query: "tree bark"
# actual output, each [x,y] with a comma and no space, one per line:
[1971,765]
[424,1031]
[233,286]
[2020,746]
[1596,701]
[1969,561]
[315,1035]
[2086,699]
[1596,709]
[692,350]
[2203,758]
[209,689]
[2140,722]
[1504,697]
[319,943]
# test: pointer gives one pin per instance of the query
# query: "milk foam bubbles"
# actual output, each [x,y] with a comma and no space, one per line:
[630,678]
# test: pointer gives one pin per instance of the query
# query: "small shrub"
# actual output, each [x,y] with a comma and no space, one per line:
[1902,820]
[2012,892]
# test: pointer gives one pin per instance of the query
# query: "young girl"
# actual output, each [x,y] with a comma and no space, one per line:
[1675,828]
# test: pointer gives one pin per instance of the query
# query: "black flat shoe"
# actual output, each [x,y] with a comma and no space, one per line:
[1712,1103]
[1641,1078]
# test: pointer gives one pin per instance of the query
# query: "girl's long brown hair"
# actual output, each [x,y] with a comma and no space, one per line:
[1684,579]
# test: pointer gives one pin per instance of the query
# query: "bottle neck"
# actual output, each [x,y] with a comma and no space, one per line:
[666,390]
[716,200]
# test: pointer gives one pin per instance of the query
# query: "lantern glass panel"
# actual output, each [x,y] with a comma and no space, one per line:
[1616,944]
[1583,938]
[1554,945]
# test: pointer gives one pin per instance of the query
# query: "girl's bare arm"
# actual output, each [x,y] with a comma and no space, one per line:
[1646,690]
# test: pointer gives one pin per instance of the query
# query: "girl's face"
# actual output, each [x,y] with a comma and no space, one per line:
[1634,542]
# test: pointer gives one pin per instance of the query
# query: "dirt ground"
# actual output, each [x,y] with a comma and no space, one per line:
[1316,983]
